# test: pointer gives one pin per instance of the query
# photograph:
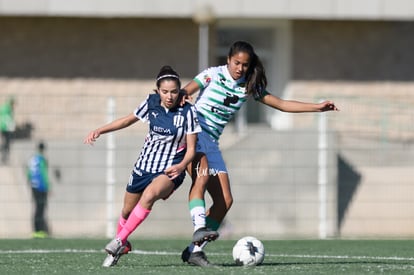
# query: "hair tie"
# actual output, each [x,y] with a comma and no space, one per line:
[167,75]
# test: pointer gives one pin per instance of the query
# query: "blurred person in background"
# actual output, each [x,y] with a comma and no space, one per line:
[7,127]
[160,168]
[38,177]
[223,91]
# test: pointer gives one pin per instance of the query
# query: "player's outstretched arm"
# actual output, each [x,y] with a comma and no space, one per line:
[293,106]
[115,125]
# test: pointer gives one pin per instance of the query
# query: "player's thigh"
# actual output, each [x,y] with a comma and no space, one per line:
[198,167]
[160,187]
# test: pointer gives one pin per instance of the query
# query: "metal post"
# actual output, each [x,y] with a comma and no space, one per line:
[203,48]
[110,176]
[203,15]
[322,175]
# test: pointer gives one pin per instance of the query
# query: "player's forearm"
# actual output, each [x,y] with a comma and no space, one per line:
[188,157]
[293,106]
[117,124]
[191,88]
[290,106]
[191,151]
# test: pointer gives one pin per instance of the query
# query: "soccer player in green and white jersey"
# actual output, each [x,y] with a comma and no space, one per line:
[223,90]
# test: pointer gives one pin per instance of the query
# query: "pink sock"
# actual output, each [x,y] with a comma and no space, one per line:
[121,224]
[137,216]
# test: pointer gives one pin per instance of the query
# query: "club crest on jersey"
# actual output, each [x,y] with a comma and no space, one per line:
[178,120]
[207,78]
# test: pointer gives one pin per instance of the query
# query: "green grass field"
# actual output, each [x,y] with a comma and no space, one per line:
[69,256]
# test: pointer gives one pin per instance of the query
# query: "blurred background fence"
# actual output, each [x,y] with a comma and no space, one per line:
[293,175]
[275,174]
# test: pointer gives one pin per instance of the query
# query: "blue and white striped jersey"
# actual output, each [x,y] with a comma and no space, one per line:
[219,99]
[165,143]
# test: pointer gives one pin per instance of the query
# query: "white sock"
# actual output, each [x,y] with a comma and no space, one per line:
[196,248]
[198,216]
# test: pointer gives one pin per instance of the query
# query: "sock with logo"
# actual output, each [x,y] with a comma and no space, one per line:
[198,213]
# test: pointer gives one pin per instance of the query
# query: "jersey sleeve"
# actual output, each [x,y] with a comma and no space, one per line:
[193,125]
[260,93]
[141,112]
[204,78]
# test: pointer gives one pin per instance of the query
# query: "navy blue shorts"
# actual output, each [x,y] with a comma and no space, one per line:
[139,180]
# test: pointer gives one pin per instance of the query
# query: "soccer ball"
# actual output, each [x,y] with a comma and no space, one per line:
[248,251]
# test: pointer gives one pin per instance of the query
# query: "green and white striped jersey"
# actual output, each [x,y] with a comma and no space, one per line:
[219,99]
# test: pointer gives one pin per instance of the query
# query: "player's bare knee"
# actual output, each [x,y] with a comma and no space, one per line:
[229,203]
[125,213]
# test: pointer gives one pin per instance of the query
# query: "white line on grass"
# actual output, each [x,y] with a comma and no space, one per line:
[392,258]
[142,252]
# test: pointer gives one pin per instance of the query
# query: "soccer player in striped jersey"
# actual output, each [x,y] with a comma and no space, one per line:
[160,168]
[223,90]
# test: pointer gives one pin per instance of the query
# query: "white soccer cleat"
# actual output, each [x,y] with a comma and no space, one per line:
[109,261]
[114,247]
[112,260]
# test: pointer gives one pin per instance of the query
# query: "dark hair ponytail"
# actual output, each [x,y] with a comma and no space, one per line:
[166,72]
[255,75]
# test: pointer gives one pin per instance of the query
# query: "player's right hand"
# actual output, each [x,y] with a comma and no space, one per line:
[91,137]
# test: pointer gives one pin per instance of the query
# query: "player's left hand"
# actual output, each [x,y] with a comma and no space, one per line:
[328,106]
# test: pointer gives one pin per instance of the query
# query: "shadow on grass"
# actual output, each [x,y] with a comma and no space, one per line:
[316,263]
